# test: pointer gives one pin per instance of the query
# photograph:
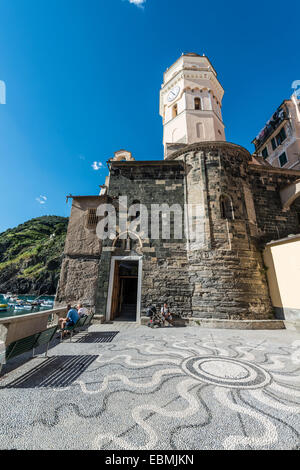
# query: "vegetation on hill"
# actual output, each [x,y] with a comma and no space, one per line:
[31,254]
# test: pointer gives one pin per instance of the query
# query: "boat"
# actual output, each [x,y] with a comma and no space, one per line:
[23,307]
[36,303]
[18,307]
[3,307]
[7,296]
[47,303]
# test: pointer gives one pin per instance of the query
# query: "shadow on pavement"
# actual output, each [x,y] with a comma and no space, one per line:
[56,371]
[94,337]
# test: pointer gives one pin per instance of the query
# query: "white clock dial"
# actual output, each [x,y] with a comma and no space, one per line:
[173,93]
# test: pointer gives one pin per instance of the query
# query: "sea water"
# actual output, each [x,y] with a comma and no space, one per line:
[10,312]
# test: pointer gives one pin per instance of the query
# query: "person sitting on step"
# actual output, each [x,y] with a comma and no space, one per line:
[167,315]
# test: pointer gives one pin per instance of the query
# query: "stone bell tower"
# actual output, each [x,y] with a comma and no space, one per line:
[191,102]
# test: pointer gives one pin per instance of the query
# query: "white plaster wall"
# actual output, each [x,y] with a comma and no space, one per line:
[283,262]
[178,124]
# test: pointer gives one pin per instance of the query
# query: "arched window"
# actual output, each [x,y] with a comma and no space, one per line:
[197,104]
[175,110]
[226,208]
[128,241]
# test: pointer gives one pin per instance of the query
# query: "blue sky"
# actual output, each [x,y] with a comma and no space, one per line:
[83,77]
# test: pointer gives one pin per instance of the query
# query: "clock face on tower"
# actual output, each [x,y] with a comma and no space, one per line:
[173,93]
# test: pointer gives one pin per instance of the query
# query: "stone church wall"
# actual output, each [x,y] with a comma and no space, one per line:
[219,274]
[80,266]
[165,267]
[273,222]
[225,266]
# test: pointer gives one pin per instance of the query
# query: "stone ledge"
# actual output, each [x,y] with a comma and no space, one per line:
[236,324]
[98,319]
[19,326]
[227,324]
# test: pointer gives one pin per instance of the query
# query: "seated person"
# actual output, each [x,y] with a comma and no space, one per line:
[71,319]
[166,314]
[82,311]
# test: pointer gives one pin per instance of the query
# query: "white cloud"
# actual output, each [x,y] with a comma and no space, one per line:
[2,92]
[97,166]
[41,199]
[138,3]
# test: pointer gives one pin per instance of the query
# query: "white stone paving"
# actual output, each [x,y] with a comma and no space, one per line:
[168,388]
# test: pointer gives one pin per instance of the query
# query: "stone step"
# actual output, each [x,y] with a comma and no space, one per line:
[224,324]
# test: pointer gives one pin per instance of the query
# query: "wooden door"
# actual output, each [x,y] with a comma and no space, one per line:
[115,293]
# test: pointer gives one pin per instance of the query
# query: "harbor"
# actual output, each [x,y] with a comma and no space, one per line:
[14,305]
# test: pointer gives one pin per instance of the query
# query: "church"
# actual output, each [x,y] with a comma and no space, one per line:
[215,268]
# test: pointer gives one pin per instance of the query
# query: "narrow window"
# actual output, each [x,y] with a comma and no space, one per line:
[282,159]
[175,110]
[200,130]
[281,136]
[197,104]
[226,208]
[92,218]
[265,153]
[273,142]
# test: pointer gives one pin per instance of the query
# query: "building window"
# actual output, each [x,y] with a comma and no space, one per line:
[92,218]
[265,153]
[283,159]
[175,110]
[281,136]
[197,104]
[226,208]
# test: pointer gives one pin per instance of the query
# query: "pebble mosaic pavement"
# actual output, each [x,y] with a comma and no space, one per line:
[121,386]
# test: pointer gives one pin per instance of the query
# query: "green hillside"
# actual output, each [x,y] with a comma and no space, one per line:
[31,254]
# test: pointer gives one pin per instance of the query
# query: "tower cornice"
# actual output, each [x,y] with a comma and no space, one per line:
[228,147]
[196,56]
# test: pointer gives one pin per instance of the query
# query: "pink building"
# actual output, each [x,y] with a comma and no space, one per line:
[279,141]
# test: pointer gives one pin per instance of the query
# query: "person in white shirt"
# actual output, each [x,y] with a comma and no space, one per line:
[82,311]
[167,315]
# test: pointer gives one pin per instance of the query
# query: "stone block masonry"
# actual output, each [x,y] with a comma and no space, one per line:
[219,274]
[165,267]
